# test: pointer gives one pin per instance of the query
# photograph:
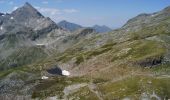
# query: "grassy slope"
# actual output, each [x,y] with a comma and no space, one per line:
[133,87]
[135,50]
[105,64]
[23,56]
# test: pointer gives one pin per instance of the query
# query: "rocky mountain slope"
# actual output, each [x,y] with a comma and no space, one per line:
[30,19]
[25,31]
[131,62]
[69,26]
[26,27]
[74,27]
[102,29]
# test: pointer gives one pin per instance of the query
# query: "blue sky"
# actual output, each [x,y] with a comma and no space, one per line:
[113,13]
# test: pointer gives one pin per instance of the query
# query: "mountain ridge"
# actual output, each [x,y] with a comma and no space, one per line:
[69,26]
[131,62]
[102,29]
[28,25]
[73,27]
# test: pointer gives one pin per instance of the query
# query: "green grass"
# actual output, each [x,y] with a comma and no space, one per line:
[96,52]
[108,45]
[149,31]
[68,54]
[147,49]
[4,73]
[99,80]
[23,56]
[133,87]
[81,56]
[163,69]
[55,86]
[79,59]
[83,93]
[139,50]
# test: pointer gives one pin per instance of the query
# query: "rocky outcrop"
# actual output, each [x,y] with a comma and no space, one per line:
[150,62]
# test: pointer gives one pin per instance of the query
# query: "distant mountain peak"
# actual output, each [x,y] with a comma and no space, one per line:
[69,26]
[28,5]
[73,27]
[96,25]
[64,21]
[26,12]
[27,19]
[102,28]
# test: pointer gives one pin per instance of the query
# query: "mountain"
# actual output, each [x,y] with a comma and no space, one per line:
[101,29]
[25,30]
[131,62]
[26,27]
[126,59]
[27,17]
[69,26]
[148,19]
[73,27]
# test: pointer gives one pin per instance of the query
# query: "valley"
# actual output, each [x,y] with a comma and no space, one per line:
[128,63]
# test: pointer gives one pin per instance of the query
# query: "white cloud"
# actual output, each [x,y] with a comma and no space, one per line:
[55,11]
[57,14]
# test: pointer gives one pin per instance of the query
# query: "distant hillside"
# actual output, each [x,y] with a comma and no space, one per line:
[73,27]
[101,29]
[69,26]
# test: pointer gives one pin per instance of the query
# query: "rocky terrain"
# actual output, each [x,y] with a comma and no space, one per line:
[102,29]
[72,27]
[129,63]
[69,26]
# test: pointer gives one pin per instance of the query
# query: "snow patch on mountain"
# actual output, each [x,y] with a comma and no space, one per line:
[65,73]
[1,28]
[12,18]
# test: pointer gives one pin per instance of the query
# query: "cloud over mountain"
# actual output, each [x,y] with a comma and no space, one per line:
[55,11]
